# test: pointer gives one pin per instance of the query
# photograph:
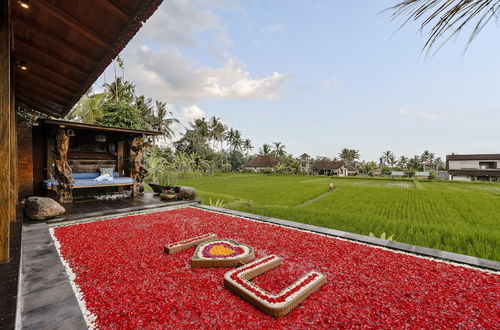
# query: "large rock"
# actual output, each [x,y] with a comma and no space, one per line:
[40,208]
[186,193]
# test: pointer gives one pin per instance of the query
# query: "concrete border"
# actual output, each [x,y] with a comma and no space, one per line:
[409,248]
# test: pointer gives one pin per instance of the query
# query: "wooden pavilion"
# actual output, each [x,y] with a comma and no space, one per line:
[51,52]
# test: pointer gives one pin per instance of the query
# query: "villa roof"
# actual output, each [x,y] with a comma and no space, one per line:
[474,157]
[304,155]
[327,165]
[262,161]
[64,46]
[92,127]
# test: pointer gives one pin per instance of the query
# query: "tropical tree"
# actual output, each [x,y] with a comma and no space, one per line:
[247,146]
[403,162]
[217,130]
[120,115]
[87,109]
[279,149]
[368,168]
[349,156]
[119,91]
[427,157]
[146,110]
[447,18]
[161,123]
[265,150]
[415,163]
[387,158]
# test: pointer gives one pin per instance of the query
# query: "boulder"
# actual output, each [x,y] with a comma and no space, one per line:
[186,193]
[167,196]
[40,208]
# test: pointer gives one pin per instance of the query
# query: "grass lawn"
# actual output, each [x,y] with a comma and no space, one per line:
[452,216]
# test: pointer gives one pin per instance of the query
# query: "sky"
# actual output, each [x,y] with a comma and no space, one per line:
[319,76]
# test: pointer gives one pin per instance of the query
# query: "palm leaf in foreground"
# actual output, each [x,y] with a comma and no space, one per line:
[447,18]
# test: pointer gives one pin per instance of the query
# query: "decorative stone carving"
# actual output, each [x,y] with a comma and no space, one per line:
[63,172]
[139,172]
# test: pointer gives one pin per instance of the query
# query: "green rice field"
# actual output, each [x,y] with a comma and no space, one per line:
[459,217]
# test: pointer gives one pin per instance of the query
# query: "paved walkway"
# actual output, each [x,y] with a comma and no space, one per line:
[317,198]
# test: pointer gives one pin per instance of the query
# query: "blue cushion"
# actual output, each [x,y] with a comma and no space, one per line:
[78,176]
[91,182]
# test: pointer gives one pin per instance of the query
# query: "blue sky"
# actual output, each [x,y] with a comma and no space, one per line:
[319,76]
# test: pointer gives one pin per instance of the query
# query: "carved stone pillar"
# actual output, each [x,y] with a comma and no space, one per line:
[63,173]
[138,172]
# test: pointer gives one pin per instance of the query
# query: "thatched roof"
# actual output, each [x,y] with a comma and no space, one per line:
[304,155]
[327,165]
[262,161]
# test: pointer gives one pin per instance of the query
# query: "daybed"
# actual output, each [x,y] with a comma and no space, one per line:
[86,180]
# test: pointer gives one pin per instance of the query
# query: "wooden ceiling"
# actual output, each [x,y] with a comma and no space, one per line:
[65,45]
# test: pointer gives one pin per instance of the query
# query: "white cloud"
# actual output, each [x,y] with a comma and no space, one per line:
[175,21]
[402,112]
[330,84]
[274,28]
[429,116]
[192,113]
[171,76]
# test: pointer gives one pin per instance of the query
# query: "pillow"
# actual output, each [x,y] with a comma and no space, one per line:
[104,177]
[107,170]
[106,173]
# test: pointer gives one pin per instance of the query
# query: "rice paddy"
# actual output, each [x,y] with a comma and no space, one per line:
[453,216]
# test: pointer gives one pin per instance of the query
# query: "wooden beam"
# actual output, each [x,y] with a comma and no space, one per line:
[29,90]
[116,9]
[5,92]
[40,33]
[71,22]
[33,65]
[53,57]
[48,83]
[32,104]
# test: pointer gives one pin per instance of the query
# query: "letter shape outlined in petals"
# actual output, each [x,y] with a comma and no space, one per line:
[238,281]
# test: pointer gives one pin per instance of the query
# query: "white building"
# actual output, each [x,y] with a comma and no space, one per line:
[480,167]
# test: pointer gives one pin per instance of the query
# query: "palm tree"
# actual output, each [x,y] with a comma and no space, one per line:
[119,91]
[160,121]
[230,136]
[265,150]
[447,18]
[349,156]
[279,149]
[427,157]
[387,157]
[403,162]
[88,109]
[247,145]
[415,163]
[216,130]
[146,110]
[237,142]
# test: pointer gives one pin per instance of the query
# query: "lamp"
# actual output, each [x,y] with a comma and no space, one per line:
[24,3]
[21,65]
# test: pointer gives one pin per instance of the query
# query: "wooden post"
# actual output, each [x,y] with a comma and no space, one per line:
[13,155]
[63,172]
[139,172]
[5,94]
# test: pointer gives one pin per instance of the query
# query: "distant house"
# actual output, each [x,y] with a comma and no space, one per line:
[422,174]
[397,174]
[261,163]
[352,171]
[305,163]
[328,167]
[480,167]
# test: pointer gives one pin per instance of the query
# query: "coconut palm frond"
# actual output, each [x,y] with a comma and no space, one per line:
[447,18]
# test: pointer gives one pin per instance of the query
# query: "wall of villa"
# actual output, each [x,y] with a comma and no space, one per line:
[25,160]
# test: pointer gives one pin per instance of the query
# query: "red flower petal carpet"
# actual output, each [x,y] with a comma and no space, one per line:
[126,280]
